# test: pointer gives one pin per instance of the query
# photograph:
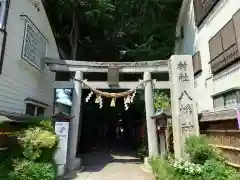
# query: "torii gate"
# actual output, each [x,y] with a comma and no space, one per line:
[181,85]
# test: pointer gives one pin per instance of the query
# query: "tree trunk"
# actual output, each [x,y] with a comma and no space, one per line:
[74,37]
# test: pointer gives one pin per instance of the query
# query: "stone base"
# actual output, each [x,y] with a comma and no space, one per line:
[77,168]
[146,166]
[60,169]
[78,163]
[71,175]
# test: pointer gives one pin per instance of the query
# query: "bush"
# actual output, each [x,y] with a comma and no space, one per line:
[199,149]
[185,167]
[35,140]
[6,167]
[29,170]
[174,169]
[216,170]
[205,164]
[31,156]
[161,169]
[184,170]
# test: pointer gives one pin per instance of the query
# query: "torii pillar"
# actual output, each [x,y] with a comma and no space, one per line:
[151,124]
[74,123]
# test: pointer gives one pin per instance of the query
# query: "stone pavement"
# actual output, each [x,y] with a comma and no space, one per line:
[107,166]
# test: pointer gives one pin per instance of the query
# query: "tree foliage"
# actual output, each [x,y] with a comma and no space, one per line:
[114,30]
[161,100]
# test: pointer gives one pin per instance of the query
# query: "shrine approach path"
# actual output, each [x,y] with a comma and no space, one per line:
[111,166]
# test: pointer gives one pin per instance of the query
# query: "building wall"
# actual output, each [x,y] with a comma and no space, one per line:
[196,39]
[19,79]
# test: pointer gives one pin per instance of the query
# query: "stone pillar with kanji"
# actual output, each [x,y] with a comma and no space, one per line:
[184,110]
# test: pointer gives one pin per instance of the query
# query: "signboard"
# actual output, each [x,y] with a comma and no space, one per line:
[61,129]
[35,44]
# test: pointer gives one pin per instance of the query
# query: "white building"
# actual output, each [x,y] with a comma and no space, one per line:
[26,85]
[209,30]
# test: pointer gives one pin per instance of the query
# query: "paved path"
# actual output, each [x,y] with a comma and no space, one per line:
[107,166]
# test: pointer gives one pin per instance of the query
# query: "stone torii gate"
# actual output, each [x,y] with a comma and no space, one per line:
[181,85]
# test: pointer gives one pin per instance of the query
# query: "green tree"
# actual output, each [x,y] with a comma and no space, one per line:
[68,19]
[110,30]
[161,100]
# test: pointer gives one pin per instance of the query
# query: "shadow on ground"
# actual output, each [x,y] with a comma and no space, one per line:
[98,159]
[109,164]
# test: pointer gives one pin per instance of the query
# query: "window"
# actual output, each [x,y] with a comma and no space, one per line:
[4,8]
[202,8]
[223,48]
[227,99]
[230,99]
[1,12]
[4,4]
[218,101]
[34,45]
[30,109]
[197,65]
[40,111]
[34,110]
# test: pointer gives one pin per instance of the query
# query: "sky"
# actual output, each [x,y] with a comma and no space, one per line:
[63,98]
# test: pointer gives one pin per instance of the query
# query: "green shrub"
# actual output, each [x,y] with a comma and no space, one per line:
[216,170]
[199,149]
[6,167]
[206,164]
[161,169]
[31,156]
[183,170]
[185,167]
[47,125]
[175,170]
[29,170]
[35,140]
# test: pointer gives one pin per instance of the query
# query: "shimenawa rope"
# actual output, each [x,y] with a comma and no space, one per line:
[110,95]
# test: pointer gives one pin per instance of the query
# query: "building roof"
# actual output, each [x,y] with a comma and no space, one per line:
[62,116]
[31,100]
[14,117]
[218,115]
[162,113]
[205,116]
[63,104]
